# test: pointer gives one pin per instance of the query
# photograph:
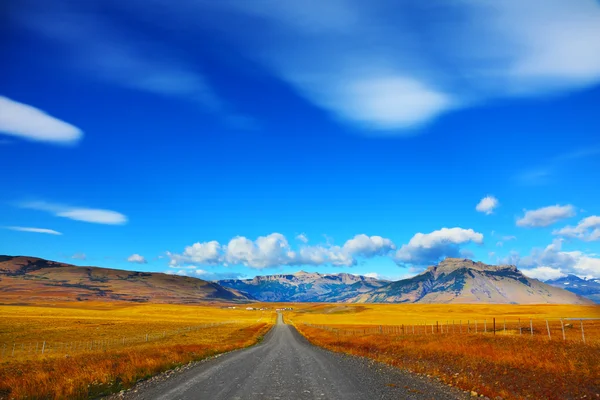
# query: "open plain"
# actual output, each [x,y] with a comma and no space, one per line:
[93,349]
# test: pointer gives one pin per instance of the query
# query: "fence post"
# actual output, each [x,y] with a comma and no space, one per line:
[562,326]
[520,330]
[582,333]
[494,326]
[413,329]
[437,326]
[531,326]
[475,326]
[43,347]
[485,325]
[452,326]
[13,350]
[460,325]
[548,329]
[505,326]
[468,326]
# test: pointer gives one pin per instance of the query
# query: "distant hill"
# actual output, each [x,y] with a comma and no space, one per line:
[464,281]
[27,279]
[589,288]
[305,287]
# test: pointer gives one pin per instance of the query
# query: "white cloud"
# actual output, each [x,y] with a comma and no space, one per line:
[366,63]
[137,259]
[429,248]
[545,216]
[266,251]
[274,250]
[544,273]
[373,275]
[370,65]
[79,256]
[487,205]
[92,215]
[363,245]
[27,122]
[555,261]
[201,253]
[588,229]
[34,230]
[302,237]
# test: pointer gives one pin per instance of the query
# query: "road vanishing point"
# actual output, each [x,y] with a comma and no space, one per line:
[286,366]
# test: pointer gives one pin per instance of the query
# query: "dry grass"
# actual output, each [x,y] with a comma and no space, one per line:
[70,369]
[508,365]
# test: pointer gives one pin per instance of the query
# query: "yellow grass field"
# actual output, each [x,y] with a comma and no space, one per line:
[106,347]
[96,348]
[507,364]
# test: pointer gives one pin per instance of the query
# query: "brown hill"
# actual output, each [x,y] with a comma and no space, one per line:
[457,280]
[28,279]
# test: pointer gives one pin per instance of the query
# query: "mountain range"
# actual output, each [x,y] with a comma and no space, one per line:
[453,280]
[589,288]
[30,279]
[305,287]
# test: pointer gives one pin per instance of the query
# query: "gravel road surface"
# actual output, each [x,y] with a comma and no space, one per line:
[286,366]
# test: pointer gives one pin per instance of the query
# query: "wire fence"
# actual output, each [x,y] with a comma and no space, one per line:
[565,329]
[44,348]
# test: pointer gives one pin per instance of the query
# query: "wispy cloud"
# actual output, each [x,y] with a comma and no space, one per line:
[545,216]
[369,65]
[79,256]
[34,230]
[92,215]
[27,122]
[108,48]
[588,229]
[544,174]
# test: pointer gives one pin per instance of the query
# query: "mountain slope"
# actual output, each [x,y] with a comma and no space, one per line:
[305,287]
[584,287]
[24,279]
[464,281]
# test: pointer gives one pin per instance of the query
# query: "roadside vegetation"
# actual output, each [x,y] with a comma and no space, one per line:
[511,364]
[100,348]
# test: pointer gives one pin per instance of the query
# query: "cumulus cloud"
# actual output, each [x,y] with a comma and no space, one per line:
[487,205]
[92,215]
[544,273]
[274,250]
[363,245]
[552,262]
[424,249]
[266,251]
[201,253]
[545,216]
[34,230]
[137,259]
[588,229]
[27,122]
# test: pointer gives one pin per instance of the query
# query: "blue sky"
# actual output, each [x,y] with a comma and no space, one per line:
[245,138]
